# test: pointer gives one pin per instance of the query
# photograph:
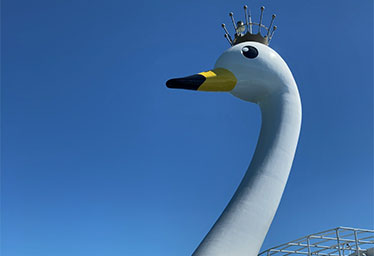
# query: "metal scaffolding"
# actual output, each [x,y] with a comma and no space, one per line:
[341,241]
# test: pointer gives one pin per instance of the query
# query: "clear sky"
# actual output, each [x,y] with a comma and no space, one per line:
[100,158]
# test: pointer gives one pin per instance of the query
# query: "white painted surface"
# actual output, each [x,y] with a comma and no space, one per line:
[267,81]
[370,252]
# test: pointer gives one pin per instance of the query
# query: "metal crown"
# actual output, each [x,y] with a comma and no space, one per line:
[244,31]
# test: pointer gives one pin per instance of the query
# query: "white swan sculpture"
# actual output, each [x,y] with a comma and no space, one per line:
[252,71]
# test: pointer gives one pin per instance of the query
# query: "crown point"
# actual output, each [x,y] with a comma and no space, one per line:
[274,16]
[245,7]
[223,25]
[228,39]
[231,14]
[275,27]
[262,8]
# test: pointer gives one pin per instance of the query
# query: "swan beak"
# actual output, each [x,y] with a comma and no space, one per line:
[216,80]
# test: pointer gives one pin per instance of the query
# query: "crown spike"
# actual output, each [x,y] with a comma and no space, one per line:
[224,28]
[262,13]
[272,33]
[246,16]
[228,39]
[271,24]
[227,34]
[233,21]
[250,21]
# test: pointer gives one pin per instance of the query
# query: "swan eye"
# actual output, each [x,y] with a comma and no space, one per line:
[249,52]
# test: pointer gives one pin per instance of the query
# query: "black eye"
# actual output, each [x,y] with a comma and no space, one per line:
[250,52]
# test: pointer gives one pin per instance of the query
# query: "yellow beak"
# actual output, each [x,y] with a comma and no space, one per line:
[216,80]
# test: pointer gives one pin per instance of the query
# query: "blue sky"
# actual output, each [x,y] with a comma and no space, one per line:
[100,158]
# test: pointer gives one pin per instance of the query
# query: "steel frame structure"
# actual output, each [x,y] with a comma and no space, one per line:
[340,241]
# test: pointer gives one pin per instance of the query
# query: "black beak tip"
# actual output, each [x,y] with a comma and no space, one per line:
[171,83]
[189,83]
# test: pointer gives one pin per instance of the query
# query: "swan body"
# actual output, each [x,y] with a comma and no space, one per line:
[267,81]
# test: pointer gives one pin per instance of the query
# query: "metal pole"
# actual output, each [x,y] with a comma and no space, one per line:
[356,242]
[308,243]
[338,239]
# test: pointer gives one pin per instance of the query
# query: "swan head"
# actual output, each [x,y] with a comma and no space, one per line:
[250,71]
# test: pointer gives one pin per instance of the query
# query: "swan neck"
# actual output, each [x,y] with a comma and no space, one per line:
[243,225]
